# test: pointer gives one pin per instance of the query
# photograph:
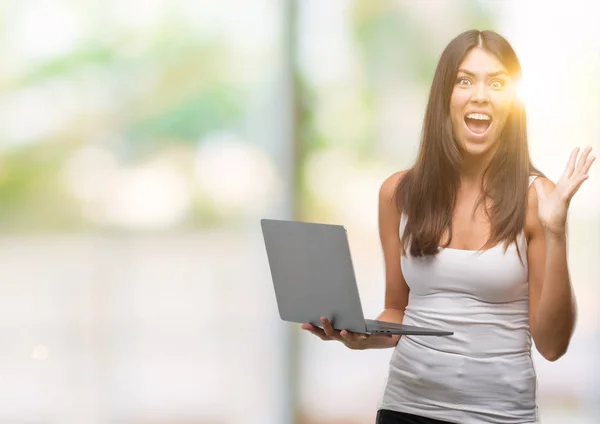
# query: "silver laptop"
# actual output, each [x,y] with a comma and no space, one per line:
[313,276]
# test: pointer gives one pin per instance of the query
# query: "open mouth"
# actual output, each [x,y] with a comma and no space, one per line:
[478,123]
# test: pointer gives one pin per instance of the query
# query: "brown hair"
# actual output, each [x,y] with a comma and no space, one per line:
[427,193]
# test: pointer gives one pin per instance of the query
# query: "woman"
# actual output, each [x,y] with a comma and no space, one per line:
[474,240]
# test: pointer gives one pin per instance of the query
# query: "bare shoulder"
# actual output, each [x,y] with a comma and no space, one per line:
[388,187]
[532,193]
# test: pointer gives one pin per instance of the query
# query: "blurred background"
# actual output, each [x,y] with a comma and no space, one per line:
[140,143]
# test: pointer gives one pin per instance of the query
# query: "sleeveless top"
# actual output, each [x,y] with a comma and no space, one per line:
[483,373]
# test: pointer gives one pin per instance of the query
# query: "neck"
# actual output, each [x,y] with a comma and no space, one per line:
[473,167]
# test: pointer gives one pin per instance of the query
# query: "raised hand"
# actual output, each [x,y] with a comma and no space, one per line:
[553,205]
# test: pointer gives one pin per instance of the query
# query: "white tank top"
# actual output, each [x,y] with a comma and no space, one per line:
[484,372]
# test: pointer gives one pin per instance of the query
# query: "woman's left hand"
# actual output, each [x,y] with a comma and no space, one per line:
[553,205]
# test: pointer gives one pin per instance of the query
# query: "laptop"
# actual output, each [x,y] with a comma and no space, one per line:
[313,276]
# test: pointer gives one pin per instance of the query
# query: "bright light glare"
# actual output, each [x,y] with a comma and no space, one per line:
[521,91]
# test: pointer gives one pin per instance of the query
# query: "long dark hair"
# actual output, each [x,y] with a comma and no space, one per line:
[427,193]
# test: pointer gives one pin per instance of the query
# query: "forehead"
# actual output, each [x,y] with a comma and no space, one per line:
[479,61]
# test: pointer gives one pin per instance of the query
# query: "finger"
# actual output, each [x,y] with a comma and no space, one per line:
[349,335]
[588,164]
[583,159]
[576,185]
[316,331]
[573,187]
[329,330]
[347,338]
[571,163]
[353,340]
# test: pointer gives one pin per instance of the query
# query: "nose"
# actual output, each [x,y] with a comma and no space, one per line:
[480,95]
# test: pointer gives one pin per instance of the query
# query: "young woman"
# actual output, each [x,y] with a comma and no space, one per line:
[474,240]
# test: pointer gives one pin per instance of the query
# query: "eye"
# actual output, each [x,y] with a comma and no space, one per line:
[497,84]
[463,81]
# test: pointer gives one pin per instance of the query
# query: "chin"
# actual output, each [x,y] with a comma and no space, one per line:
[475,148]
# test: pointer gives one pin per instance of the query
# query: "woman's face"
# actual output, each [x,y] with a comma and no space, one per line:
[481,99]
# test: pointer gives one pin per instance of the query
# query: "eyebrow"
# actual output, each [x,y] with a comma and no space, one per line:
[491,74]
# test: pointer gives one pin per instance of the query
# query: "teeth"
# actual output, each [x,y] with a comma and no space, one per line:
[481,116]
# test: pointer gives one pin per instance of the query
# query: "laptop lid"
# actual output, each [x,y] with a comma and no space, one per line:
[312,273]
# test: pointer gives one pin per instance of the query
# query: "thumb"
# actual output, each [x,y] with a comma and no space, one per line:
[539,189]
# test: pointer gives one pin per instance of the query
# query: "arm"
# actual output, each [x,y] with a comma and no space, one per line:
[396,290]
[552,307]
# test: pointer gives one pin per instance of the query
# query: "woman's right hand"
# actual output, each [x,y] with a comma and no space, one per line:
[354,341]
